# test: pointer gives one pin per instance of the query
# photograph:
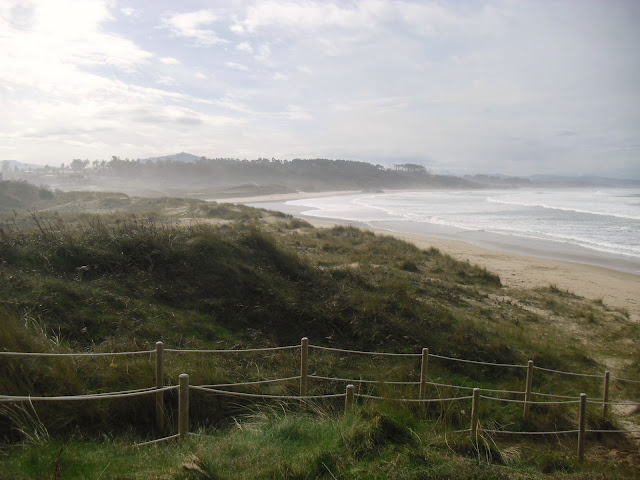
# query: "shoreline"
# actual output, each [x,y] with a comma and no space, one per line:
[282,197]
[616,289]
[520,262]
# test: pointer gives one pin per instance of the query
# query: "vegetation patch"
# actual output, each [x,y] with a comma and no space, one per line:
[74,281]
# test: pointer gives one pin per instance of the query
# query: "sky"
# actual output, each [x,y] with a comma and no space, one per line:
[507,86]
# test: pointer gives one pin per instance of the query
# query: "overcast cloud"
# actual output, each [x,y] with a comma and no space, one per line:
[513,86]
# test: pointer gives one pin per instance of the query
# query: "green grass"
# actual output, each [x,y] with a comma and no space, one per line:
[373,442]
[201,275]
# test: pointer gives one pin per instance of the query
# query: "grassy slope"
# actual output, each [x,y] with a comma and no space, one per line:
[73,281]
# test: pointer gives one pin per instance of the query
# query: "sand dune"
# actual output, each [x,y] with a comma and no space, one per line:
[615,288]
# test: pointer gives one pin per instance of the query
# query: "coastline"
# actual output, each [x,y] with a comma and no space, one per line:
[616,289]
[520,262]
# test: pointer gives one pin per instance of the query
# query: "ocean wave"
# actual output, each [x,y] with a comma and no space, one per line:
[598,245]
[564,209]
[606,232]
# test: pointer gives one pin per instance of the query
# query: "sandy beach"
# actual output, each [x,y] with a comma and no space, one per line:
[617,289]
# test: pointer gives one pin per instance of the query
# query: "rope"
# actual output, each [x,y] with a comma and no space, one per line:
[525,401]
[504,391]
[266,349]
[612,403]
[449,386]
[86,354]
[318,377]
[259,395]
[569,373]
[251,383]
[510,432]
[388,354]
[152,442]
[477,362]
[420,400]
[625,379]
[471,388]
[126,391]
[93,396]
[612,431]
[551,395]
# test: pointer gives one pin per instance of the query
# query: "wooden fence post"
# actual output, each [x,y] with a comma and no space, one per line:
[160,384]
[348,401]
[581,425]
[475,404]
[304,365]
[527,391]
[183,407]
[423,373]
[605,394]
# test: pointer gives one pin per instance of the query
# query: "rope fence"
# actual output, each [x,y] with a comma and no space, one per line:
[243,350]
[156,441]
[477,362]
[262,395]
[361,352]
[79,354]
[590,375]
[613,403]
[349,395]
[552,395]
[336,379]
[418,400]
[255,382]
[95,396]
[625,379]
[511,400]
[446,385]
[511,432]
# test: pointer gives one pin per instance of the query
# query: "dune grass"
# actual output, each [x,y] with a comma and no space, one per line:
[234,277]
[374,442]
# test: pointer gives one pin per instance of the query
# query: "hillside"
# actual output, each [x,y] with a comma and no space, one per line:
[206,275]
[186,175]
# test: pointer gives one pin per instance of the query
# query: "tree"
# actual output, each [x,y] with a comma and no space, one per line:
[410,168]
[77,164]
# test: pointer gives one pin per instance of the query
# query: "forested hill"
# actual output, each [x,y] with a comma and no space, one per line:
[211,176]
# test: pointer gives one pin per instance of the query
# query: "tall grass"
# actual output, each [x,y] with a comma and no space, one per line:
[112,283]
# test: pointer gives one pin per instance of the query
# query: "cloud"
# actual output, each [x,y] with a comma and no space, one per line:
[295,112]
[264,52]
[167,80]
[245,47]
[129,12]
[169,61]
[45,34]
[172,115]
[189,25]
[237,66]
[64,97]
[467,82]
[307,15]
[368,16]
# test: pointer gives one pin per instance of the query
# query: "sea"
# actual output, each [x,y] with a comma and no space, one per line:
[599,226]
